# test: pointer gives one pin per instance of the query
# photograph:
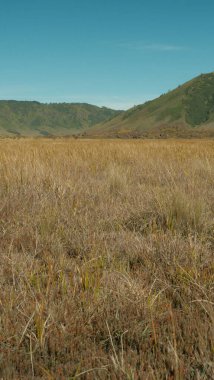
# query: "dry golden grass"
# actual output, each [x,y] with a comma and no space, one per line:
[106,259]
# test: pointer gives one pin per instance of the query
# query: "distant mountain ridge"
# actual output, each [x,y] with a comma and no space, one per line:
[31,118]
[187,111]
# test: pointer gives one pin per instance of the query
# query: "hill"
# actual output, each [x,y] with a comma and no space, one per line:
[25,118]
[187,111]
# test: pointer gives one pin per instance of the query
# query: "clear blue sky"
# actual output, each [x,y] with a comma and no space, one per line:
[115,53]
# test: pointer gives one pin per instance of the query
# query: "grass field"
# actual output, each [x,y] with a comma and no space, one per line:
[106,259]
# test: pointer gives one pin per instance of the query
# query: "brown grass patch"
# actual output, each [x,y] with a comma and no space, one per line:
[106,259]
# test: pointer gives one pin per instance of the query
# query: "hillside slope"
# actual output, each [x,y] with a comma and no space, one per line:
[187,111]
[24,118]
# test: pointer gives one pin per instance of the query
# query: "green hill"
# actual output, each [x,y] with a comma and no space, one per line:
[187,111]
[24,118]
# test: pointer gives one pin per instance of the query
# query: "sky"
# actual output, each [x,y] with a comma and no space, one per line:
[114,53]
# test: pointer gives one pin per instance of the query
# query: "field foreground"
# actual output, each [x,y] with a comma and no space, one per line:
[106,259]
